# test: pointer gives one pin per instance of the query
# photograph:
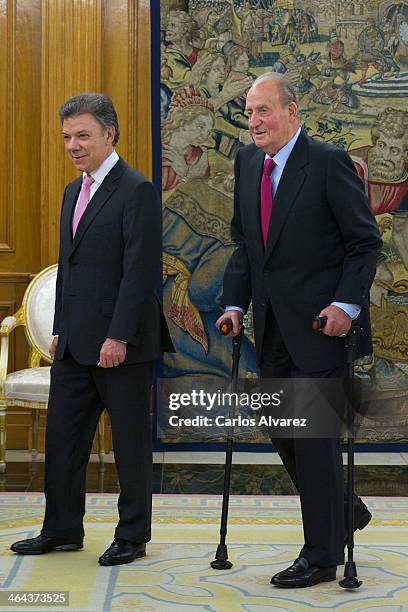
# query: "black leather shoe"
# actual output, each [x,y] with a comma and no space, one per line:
[122,551]
[302,574]
[44,544]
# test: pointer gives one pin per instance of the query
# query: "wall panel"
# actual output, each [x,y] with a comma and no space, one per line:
[7,61]
[126,76]
[20,171]
[70,63]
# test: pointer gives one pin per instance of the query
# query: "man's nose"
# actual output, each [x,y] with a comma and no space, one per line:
[72,144]
[254,120]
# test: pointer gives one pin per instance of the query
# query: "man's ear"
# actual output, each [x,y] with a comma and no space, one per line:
[293,110]
[110,133]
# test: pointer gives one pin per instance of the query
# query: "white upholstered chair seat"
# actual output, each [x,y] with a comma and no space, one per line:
[32,384]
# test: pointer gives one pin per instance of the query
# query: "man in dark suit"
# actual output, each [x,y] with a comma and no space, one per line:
[307,245]
[109,329]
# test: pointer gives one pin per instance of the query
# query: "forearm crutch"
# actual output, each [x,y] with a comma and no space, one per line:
[221,556]
[350,580]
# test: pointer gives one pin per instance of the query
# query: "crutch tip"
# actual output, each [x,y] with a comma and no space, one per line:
[221,565]
[350,583]
[350,580]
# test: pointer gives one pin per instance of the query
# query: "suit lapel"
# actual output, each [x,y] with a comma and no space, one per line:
[291,181]
[102,195]
[69,207]
[254,172]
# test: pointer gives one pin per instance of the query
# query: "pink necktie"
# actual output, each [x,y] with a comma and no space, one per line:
[83,201]
[266,198]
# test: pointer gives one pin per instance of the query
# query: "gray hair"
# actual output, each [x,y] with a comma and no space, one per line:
[284,83]
[99,105]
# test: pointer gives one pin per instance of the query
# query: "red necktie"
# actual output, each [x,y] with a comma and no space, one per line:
[266,198]
[83,201]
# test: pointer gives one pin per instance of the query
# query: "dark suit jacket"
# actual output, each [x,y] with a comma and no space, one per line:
[323,245]
[108,274]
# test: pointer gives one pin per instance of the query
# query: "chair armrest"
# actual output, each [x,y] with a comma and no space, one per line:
[4,348]
[7,325]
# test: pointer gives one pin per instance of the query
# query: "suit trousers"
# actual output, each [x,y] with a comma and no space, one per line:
[315,465]
[78,395]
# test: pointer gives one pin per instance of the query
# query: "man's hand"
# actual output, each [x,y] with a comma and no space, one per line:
[236,318]
[112,353]
[53,347]
[338,321]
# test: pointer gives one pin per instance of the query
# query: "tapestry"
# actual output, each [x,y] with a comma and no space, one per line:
[348,62]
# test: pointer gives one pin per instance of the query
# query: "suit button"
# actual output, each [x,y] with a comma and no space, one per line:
[263,304]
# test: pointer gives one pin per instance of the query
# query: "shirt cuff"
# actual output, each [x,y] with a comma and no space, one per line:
[353,310]
[235,308]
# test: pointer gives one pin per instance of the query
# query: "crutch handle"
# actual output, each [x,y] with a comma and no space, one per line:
[318,323]
[226,327]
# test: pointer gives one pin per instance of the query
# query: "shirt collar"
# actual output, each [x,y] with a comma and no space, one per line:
[282,156]
[106,166]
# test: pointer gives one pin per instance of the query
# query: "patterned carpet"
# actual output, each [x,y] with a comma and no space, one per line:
[264,537]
